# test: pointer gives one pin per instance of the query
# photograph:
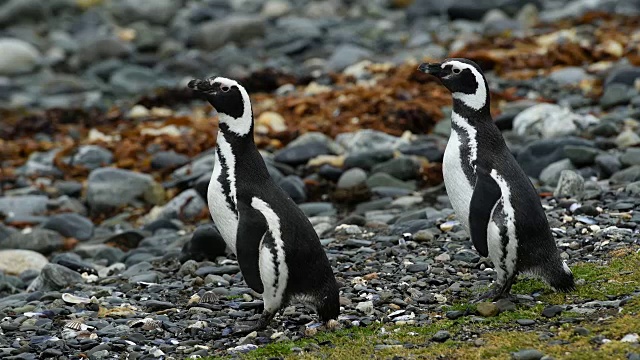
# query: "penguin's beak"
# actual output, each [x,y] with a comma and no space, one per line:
[201,86]
[430,68]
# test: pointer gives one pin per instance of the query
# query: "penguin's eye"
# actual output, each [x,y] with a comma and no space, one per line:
[456,70]
[224,88]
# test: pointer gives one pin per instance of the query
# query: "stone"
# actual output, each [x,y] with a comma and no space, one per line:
[628,175]
[40,240]
[368,140]
[403,168]
[551,311]
[109,188]
[551,174]
[365,307]
[550,121]
[537,155]
[487,309]
[131,79]
[92,157]
[40,163]
[23,206]
[15,262]
[294,187]
[168,160]
[102,48]
[570,75]
[345,55]
[630,157]
[441,336]
[386,180]
[627,138]
[528,354]
[158,12]
[71,225]
[317,208]
[581,155]
[187,206]
[17,57]
[625,75]
[570,184]
[206,243]
[633,188]
[212,35]
[615,94]
[467,256]
[418,268]
[352,178]
[608,164]
[54,277]
[505,305]
[300,154]
[526,322]
[367,159]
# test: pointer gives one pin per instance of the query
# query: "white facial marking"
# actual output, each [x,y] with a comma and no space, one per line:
[471,133]
[510,217]
[225,219]
[272,296]
[242,125]
[477,100]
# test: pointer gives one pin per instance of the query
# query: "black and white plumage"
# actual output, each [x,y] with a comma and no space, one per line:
[278,250]
[492,196]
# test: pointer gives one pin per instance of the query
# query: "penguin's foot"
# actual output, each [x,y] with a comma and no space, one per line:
[259,325]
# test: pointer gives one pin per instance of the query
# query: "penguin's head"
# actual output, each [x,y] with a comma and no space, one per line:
[463,78]
[231,101]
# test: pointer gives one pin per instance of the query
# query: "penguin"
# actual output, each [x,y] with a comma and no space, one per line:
[491,195]
[277,248]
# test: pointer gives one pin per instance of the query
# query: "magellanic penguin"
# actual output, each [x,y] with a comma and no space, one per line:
[279,253]
[492,197]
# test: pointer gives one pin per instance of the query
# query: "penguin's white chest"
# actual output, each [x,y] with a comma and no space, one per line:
[221,195]
[458,187]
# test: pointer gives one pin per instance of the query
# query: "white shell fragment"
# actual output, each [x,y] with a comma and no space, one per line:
[73,299]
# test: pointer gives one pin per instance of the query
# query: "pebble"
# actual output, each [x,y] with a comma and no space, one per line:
[551,311]
[487,309]
[43,241]
[71,225]
[528,354]
[17,57]
[55,277]
[365,307]
[15,261]
[570,184]
[108,188]
[441,336]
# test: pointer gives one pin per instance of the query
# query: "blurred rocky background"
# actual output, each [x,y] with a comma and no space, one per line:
[106,157]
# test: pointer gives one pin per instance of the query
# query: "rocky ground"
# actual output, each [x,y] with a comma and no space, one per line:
[107,244]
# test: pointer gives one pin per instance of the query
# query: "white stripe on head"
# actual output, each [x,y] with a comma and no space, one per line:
[272,296]
[242,125]
[477,100]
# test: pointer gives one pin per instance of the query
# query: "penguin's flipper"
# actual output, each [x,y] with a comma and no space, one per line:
[486,194]
[252,227]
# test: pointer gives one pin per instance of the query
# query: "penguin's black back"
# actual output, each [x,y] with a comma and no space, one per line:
[310,273]
[537,251]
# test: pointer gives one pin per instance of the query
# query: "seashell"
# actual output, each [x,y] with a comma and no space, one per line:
[195,298]
[74,325]
[209,297]
[396,313]
[73,299]
[310,331]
